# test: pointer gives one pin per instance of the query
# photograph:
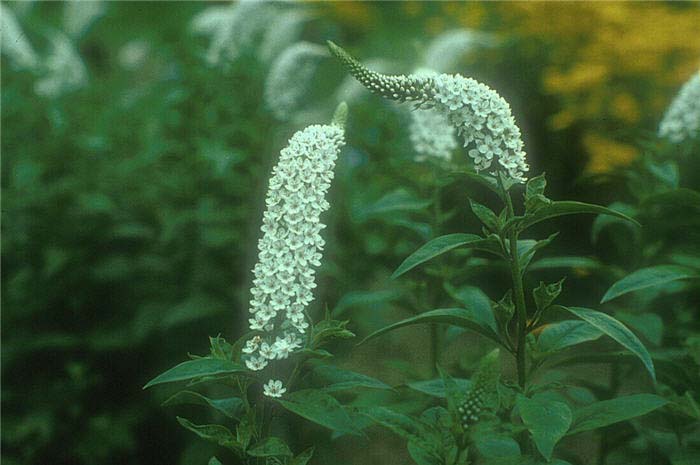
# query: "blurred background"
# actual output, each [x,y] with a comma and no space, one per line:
[137,140]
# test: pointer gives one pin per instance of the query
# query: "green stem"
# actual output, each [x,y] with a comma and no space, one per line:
[518,292]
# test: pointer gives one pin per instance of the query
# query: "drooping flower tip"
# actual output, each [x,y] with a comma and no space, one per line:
[274,388]
[395,87]
[682,119]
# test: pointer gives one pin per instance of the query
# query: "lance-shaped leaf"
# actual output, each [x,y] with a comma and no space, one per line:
[648,277]
[607,412]
[198,368]
[616,330]
[341,379]
[320,408]
[439,246]
[214,433]
[561,208]
[462,317]
[270,447]
[230,406]
[567,333]
[547,420]
[436,387]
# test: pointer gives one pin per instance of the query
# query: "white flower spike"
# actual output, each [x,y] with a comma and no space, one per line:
[682,119]
[481,116]
[291,245]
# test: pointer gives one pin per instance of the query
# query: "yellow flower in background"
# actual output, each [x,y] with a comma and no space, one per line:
[609,63]
[606,154]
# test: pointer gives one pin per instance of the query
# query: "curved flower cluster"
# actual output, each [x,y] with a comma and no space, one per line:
[291,245]
[430,130]
[290,77]
[481,116]
[682,119]
[484,120]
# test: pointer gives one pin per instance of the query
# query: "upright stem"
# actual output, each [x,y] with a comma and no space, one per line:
[518,292]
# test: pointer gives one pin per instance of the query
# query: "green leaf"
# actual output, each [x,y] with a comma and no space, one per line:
[214,433]
[401,424]
[475,300]
[535,186]
[230,406]
[501,450]
[452,392]
[303,458]
[436,387]
[567,333]
[547,420]
[371,299]
[650,325]
[488,182]
[464,318]
[648,277]
[607,412]
[345,379]
[545,294]
[485,215]
[561,208]
[439,246]
[528,247]
[424,453]
[618,332]
[270,447]
[193,369]
[214,461]
[565,262]
[399,200]
[321,408]
[603,221]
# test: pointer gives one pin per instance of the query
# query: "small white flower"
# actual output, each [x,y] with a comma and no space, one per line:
[682,119]
[274,388]
[251,345]
[256,363]
[267,351]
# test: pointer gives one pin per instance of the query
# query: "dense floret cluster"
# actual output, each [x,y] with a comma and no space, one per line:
[291,246]
[682,119]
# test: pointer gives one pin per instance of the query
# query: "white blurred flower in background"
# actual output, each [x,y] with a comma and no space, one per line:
[63,69]
[290,78]
[233,28]
[15,44]
[682,119]
[78,16]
